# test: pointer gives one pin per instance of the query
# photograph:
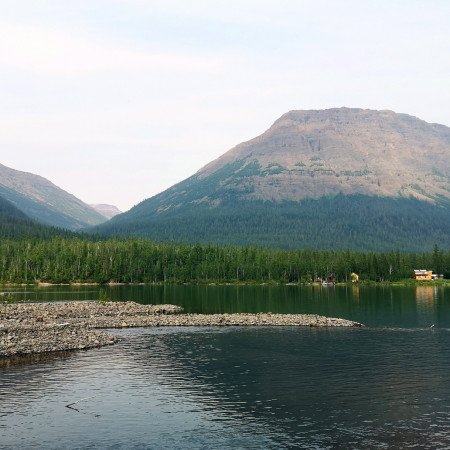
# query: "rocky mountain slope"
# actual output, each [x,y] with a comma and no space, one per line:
[108,211]
[353,151]
[44,202]
[333,178]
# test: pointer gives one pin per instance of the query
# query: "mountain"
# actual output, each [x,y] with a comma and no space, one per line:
[14,224]
[309,154]
[7,208]
[44,202]
[337,178]
[108,211]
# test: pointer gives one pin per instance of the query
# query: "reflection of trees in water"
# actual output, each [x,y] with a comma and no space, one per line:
[301,385]
[22,375]
[295,380]
[26,360]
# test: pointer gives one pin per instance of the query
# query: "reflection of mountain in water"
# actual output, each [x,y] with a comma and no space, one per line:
[257,387]
[301,383]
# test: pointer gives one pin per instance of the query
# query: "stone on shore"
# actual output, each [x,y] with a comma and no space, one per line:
[27,328]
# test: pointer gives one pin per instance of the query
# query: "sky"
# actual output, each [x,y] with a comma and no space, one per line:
[115,101]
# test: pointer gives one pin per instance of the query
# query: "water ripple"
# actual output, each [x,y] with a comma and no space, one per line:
[234,388]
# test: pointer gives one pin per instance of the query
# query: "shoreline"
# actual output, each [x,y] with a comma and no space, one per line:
[53,327]
[405,282]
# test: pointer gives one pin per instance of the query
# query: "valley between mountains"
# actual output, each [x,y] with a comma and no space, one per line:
[342,178]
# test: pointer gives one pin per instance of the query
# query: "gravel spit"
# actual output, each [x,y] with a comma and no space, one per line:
[28,328]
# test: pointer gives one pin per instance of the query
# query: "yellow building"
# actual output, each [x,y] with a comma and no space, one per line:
[423,274]
[355,277]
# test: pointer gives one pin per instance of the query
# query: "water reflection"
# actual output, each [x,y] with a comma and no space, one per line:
[235,387]
[394,306]
[425,295]
[380,386]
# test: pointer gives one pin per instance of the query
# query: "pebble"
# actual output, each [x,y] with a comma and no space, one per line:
[27,328]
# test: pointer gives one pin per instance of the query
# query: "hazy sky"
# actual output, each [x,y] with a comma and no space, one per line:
[117,100]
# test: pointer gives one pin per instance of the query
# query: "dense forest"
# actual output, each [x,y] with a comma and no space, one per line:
[72,259]
[31,252]
[355,222]
[14,224]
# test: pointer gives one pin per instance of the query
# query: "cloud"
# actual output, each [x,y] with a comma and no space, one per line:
[51,52]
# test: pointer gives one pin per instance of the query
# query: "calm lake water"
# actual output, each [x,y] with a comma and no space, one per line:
[386,385]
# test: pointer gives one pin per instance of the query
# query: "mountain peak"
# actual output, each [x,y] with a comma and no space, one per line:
[315,153]
[108,211]
[334,178]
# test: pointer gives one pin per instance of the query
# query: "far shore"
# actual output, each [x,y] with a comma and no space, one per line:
[406,282]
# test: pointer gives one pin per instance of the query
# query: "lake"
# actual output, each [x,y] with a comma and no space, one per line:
[385,385]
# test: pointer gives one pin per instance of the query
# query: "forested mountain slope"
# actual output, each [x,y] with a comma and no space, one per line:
[14,224]
[338,178]
[7,208]
[44,202]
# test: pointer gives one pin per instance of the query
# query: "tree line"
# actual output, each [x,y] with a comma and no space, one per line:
[129,260]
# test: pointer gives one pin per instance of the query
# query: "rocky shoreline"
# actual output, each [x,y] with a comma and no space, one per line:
[28,328]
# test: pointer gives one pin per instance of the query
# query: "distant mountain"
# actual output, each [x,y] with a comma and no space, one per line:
[8,208]
[14,224]
[44,202]
[311,154]
[108,211]
[338,178]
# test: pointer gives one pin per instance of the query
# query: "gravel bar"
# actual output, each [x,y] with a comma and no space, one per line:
[27,328]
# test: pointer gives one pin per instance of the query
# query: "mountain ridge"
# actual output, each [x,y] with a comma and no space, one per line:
[45,202]
[378,160]
[328,144]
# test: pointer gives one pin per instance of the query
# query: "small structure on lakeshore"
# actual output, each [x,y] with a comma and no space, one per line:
[355,277]
[329,280]
[423,274]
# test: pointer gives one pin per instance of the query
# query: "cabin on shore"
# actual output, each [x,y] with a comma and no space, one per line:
[355,277]
[423,274]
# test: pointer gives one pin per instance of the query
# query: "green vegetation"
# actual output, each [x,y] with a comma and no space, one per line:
[356,173]
[15,225]
[323,171]
[71,260]
[273,169]
[103,297]
[253,168]
[44,202]
[30,252]
[417,188]
[7,207]
[356,222]
[8,298]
